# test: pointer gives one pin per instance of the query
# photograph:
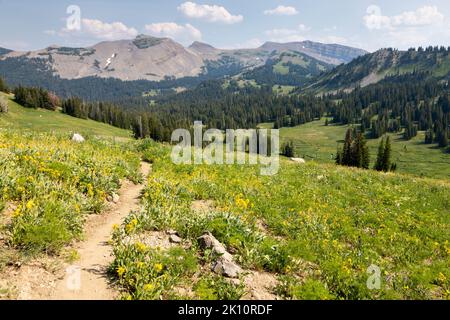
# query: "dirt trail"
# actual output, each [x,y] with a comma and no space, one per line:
[95,251]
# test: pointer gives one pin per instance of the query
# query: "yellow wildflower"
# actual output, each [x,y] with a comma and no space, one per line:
[140,247]
[158,267]
[149,287]
[121,271]
[30,204]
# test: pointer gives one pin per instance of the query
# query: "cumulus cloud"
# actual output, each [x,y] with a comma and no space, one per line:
[288,35]
[182,33]
[210,13]
[249,44]
[97,29]
[282,11]
[424,16]
[423,26]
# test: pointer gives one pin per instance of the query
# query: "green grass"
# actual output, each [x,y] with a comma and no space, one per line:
[41,120]
[283,90]
[280,68]
[323,226]
[315,141]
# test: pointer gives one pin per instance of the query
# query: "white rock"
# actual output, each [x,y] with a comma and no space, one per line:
[115,198]
[298,160]
[78,138]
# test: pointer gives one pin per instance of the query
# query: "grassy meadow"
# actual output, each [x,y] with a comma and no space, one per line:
[316,227]
[41,120]
[315,141]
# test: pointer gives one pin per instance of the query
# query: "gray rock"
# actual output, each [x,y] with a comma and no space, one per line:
[175,239]
[226,268]
[208,241]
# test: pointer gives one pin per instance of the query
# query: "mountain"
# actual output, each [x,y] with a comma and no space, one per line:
[330,53]
[374,67]
[157,59]
[291,68]
[4,51]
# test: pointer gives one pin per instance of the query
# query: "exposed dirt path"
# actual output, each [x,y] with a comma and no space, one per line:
[95,252]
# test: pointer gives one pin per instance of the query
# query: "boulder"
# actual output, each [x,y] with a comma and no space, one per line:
[115,198]
[78,138]
[298,160]
[226,268]
[208,241]
[175,239]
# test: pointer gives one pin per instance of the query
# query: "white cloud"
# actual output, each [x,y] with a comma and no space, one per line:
[424,26]
[249,44]
[288,35]
[97,29]
[182,33]
[424,16]
[108,31]
[282,11]
[210,13]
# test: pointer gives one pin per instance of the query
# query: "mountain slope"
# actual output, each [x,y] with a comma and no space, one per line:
[4,51]
[374,67]
[157,59]
[329,53]
[291,68]
[42,120]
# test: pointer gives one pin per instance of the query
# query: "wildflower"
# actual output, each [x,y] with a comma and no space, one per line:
[115,226]
[121,271]
[140,264]
[149,287]
[132,225]
[442,278]
[17,212]
[30,204]
[158,267]
[140,247]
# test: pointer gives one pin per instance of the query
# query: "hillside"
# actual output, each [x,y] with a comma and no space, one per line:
[315,141]
[158,59]
[4,51]
[374,67]
[309,232]
[41,120]
[290,68]
[334,54]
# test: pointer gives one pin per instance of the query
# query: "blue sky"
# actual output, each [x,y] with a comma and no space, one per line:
[368,24]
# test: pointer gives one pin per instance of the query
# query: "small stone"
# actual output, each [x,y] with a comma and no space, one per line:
[208,241]
[175,239]
[171,232]
[227,268]
[78,138]
[115,198]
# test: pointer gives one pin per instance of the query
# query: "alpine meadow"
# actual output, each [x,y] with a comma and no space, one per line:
[352,114]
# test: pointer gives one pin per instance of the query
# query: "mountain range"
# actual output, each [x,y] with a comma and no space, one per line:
[156,59]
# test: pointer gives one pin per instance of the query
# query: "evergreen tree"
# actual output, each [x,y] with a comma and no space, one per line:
[386,162]
[429,137]
[288,149]
[338,158]
[347,151]
[380,156]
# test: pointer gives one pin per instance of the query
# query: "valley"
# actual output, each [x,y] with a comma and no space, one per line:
[94,206]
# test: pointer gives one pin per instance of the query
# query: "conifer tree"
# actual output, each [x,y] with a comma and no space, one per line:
[387,155]
[347,152]
[380,156]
